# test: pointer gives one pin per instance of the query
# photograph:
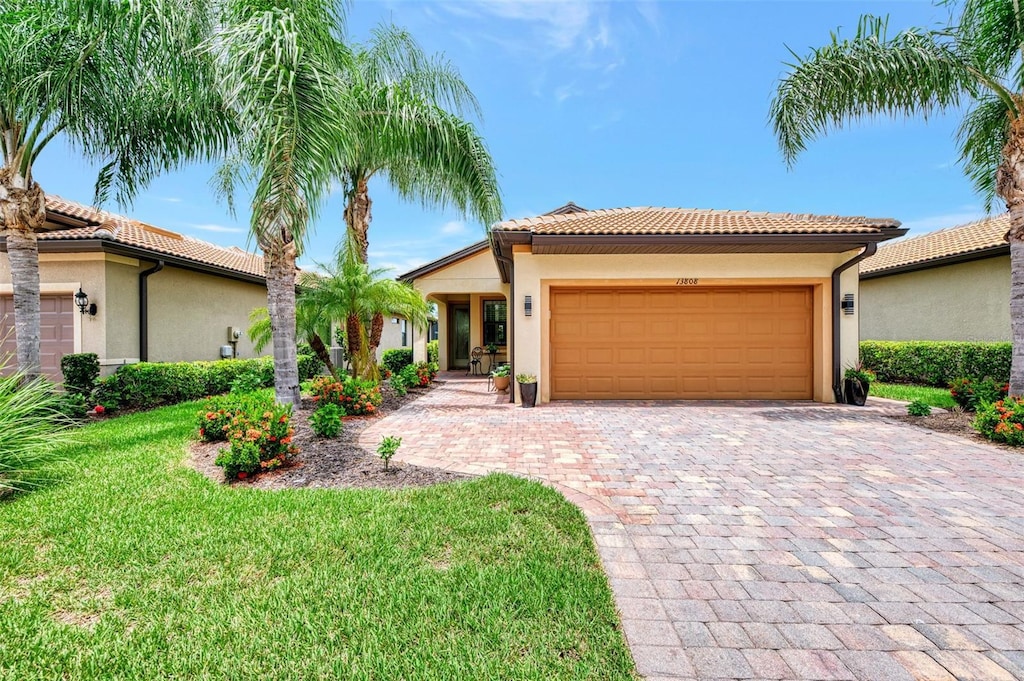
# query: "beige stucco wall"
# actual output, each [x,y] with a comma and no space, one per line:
[535,274]
[190,312]
[964,302]
[66,273]
[391,336]
[468,281]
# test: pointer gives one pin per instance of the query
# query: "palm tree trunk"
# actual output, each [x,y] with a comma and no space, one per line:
[23,211]
[1010,187]
[321,351]
[280,263]
[357,217]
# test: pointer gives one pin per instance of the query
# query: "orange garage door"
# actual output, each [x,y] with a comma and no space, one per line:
[56,331]
[682,343]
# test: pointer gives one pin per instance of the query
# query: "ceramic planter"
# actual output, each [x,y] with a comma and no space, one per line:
[528,394]
[855,391]
[501,383]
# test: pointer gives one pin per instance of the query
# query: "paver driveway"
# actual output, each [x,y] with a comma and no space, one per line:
[768,540]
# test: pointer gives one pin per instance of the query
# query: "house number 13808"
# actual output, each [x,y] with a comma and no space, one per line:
[687,282]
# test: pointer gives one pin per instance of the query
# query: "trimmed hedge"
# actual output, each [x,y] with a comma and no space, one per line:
[433,353]
[81,371]
[149,384]
[936,363]
[396,359]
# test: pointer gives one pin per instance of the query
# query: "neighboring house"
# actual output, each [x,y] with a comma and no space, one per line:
[159,296]
[953,284]
[658,303]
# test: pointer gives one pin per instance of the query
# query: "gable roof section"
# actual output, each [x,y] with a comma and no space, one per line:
[679,221]
[447,260]
[686,230]
[74,226]
[972,241]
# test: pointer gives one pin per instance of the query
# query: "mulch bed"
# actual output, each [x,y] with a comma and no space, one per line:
[336,463]
[952,423]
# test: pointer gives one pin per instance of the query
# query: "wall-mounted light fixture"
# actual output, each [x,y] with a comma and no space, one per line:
[847,304]
[82,301]
[528,306]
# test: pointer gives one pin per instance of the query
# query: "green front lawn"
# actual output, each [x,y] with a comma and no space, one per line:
[935,397]
[137,567]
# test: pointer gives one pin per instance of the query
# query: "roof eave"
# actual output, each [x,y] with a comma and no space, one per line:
[116,248]
[637,243]
[980,254]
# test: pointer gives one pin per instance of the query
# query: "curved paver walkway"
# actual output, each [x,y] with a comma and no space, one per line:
[767,540]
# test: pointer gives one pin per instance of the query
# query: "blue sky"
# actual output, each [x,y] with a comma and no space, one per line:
[616,104]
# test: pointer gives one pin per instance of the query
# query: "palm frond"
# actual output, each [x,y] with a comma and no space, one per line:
[982,135]
[915,72]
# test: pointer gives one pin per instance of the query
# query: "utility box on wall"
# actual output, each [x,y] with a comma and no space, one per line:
[234,334]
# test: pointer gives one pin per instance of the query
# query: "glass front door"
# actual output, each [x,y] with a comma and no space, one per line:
[458,351]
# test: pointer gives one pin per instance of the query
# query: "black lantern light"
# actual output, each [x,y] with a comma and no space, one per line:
[82,301]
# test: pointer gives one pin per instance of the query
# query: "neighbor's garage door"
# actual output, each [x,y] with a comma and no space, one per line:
[682,343]
[57,331]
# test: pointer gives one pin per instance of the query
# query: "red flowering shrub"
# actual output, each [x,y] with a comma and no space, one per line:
[260,436]
[326,390]
[1002,421]
[214,419]
[971,393]
[361,397]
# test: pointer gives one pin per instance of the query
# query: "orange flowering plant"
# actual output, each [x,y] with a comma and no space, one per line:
[260,440]
[361,397]
[1002,421]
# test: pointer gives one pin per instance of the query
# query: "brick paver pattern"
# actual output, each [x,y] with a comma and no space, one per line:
[767,540]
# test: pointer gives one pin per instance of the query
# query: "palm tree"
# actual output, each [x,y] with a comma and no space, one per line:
[119,83]
[352,292]
[312,324]
[279,66]
[408,128]
[973,62]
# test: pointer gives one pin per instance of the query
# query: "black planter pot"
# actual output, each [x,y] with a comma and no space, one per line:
[855,391]
[528,394]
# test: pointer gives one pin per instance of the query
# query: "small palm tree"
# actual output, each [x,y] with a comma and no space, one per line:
[352,292]
[278,67]
[311,324]
[407,126]
[975,62]
[119,82]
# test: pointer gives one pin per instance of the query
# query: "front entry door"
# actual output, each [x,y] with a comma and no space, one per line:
[458,343]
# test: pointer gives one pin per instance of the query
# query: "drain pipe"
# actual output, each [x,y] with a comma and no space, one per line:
[511,325]
[144,309]
[837,381]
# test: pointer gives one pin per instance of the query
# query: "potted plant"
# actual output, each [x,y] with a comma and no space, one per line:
[492,349]
[501,377]
[527,389]
[856,383]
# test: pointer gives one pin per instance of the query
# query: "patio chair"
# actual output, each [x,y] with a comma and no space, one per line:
[474,362]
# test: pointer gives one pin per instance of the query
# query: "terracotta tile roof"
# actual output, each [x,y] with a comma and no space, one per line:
[648,220]
[122,230]
[973,237]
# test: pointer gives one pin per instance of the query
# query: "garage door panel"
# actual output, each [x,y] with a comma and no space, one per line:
[718,343]
[56,331]
[664,355]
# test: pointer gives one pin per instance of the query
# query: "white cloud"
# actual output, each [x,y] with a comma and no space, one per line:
[453,227]
[559,25]
[220,229]
[168,199]
[568,91]
[931,223]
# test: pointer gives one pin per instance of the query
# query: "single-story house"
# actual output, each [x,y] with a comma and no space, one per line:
[659,303]
[153,294]
[952,285]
